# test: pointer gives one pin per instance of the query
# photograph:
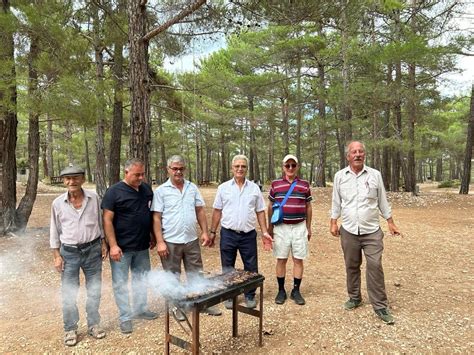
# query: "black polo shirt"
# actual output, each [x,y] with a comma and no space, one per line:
[132,215]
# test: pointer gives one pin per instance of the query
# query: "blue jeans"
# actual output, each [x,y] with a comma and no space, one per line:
[90,261]
[246,244]
[138,262]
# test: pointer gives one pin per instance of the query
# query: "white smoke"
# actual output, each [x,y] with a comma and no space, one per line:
[169,286]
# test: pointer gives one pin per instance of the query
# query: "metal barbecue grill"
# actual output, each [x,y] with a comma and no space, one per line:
[197,302]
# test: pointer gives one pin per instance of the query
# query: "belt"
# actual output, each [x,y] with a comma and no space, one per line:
[83,245]
[238,232]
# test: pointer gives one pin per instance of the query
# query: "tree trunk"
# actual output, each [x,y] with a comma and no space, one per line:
[224,163]
[161,176]
[100,173]
[299,109]
[285,125]
[322,151]
[8,123]
[26,204]
[198,141]
[271,148]
[208,173]
[410,181]
[466,174]
[87,157]
[49,146]
[385,167]
[140,124]
[117,119]
[346,106]
[439,169]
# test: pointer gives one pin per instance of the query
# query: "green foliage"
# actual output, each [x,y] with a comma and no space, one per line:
[449,183]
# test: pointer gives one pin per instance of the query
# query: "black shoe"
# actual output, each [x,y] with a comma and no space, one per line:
[281,297]
[296,296]
[148,315]
[126,327]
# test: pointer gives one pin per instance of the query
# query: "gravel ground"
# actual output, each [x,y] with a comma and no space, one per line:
[429,280]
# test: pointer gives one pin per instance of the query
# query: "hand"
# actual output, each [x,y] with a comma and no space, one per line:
[267,241]
[309,234]
[59,264]
[105,250]
[162,249]
[206,240]
[115,253]
[152,243]
[334,229]
[393,229]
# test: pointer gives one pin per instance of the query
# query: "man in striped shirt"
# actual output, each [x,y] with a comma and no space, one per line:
[295,231]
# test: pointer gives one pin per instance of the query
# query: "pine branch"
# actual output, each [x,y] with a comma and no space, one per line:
[173,20]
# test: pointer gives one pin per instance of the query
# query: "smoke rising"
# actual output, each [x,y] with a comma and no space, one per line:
[168,284]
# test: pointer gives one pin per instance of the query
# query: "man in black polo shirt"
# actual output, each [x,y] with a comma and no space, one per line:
[127,226]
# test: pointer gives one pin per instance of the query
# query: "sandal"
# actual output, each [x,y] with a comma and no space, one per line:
[70,338]
[96,331]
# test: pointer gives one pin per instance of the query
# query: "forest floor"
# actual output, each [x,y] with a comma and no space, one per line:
[428,274]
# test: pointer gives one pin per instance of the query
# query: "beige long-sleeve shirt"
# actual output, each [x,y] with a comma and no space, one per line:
[359,199]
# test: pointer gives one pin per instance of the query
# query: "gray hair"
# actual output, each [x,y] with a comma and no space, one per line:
[240,157]
[175,159]
[132,162]
[346,148]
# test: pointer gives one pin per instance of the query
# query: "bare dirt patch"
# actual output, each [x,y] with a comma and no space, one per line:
[428,277]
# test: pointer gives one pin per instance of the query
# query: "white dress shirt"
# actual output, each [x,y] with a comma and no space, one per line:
[359,198]
[178,211]
[238,206]
[71,226]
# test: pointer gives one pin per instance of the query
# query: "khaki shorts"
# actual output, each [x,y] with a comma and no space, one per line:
[290,237]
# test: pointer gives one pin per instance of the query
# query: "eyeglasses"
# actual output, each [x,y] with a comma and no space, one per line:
[291,165]
[177,169]
[240,166]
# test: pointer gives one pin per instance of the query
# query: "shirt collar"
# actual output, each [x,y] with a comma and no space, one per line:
[288,181]
[168,183]
[233,182]
[348,169]
[86,193]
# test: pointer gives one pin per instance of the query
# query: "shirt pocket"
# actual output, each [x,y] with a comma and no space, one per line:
[372,193]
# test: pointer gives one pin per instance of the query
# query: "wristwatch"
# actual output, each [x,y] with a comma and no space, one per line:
[213,232]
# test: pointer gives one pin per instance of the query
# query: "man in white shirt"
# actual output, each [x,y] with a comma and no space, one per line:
[237,206]
[177,206]
[359,196]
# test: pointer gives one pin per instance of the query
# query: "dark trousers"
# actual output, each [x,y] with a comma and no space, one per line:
[372,245]
[246,244]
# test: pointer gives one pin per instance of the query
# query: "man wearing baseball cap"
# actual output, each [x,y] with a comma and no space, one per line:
[294,231]
[76,237]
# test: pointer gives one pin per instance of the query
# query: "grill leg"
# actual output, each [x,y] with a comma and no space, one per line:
[195,335]
[235,318]
[260,324]
[167,328]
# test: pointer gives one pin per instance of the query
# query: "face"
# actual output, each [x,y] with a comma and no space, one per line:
[239,168]
[74,183]
[290,168]
[134,175]
[176,173]
[356,156]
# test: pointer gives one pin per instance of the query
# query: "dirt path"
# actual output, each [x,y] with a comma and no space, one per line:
[429,279]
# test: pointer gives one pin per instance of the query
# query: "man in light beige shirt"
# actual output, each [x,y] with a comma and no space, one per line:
[359,197]
[76,238]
